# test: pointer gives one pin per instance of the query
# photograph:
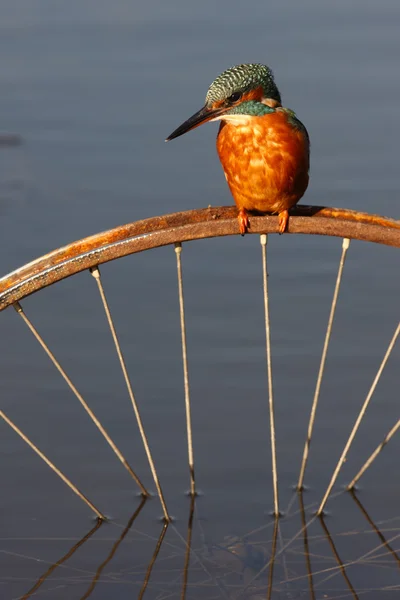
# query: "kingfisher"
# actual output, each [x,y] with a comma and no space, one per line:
[263,147]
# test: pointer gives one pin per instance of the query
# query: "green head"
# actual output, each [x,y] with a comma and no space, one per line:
[244,89]
[254,80]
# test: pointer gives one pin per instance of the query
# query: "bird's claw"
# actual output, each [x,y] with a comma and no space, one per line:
[283,221]
[244,222]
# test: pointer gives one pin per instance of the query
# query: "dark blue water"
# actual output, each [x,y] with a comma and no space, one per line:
[93,88]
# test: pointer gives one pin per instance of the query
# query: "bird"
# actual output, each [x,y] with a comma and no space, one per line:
[263,147]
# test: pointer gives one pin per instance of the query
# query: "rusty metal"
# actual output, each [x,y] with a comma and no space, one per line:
[185,226]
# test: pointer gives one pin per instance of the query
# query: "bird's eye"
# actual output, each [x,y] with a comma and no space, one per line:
[235,97]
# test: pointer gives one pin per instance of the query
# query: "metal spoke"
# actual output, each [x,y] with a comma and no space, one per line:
[263,241]
[95,271]
[359,419]
[89,411]
[52,465]
[178,252]
[345,247]
[375,453]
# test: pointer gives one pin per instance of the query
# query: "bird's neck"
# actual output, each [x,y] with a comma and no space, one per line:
[245,113]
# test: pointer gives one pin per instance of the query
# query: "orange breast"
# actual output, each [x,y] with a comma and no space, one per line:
[265,161]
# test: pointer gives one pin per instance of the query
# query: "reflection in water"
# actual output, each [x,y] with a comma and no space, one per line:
[113,550]
[336,555]
[62,560]
[188,546]
[153,559]
[374,527]
[284,559]
[272,559]
[306,546]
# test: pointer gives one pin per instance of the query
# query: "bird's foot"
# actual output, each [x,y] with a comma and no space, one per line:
[283,221]
[244,222]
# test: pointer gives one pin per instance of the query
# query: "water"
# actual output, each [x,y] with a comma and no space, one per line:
[93,88]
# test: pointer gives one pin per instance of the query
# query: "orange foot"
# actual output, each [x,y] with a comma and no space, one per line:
[244,222]
[283,221]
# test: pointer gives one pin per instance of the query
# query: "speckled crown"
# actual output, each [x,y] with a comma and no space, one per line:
[243,78]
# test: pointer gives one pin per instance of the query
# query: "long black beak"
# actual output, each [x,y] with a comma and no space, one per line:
[202,116]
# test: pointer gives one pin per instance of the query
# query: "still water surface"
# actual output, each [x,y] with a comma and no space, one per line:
[94,88]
